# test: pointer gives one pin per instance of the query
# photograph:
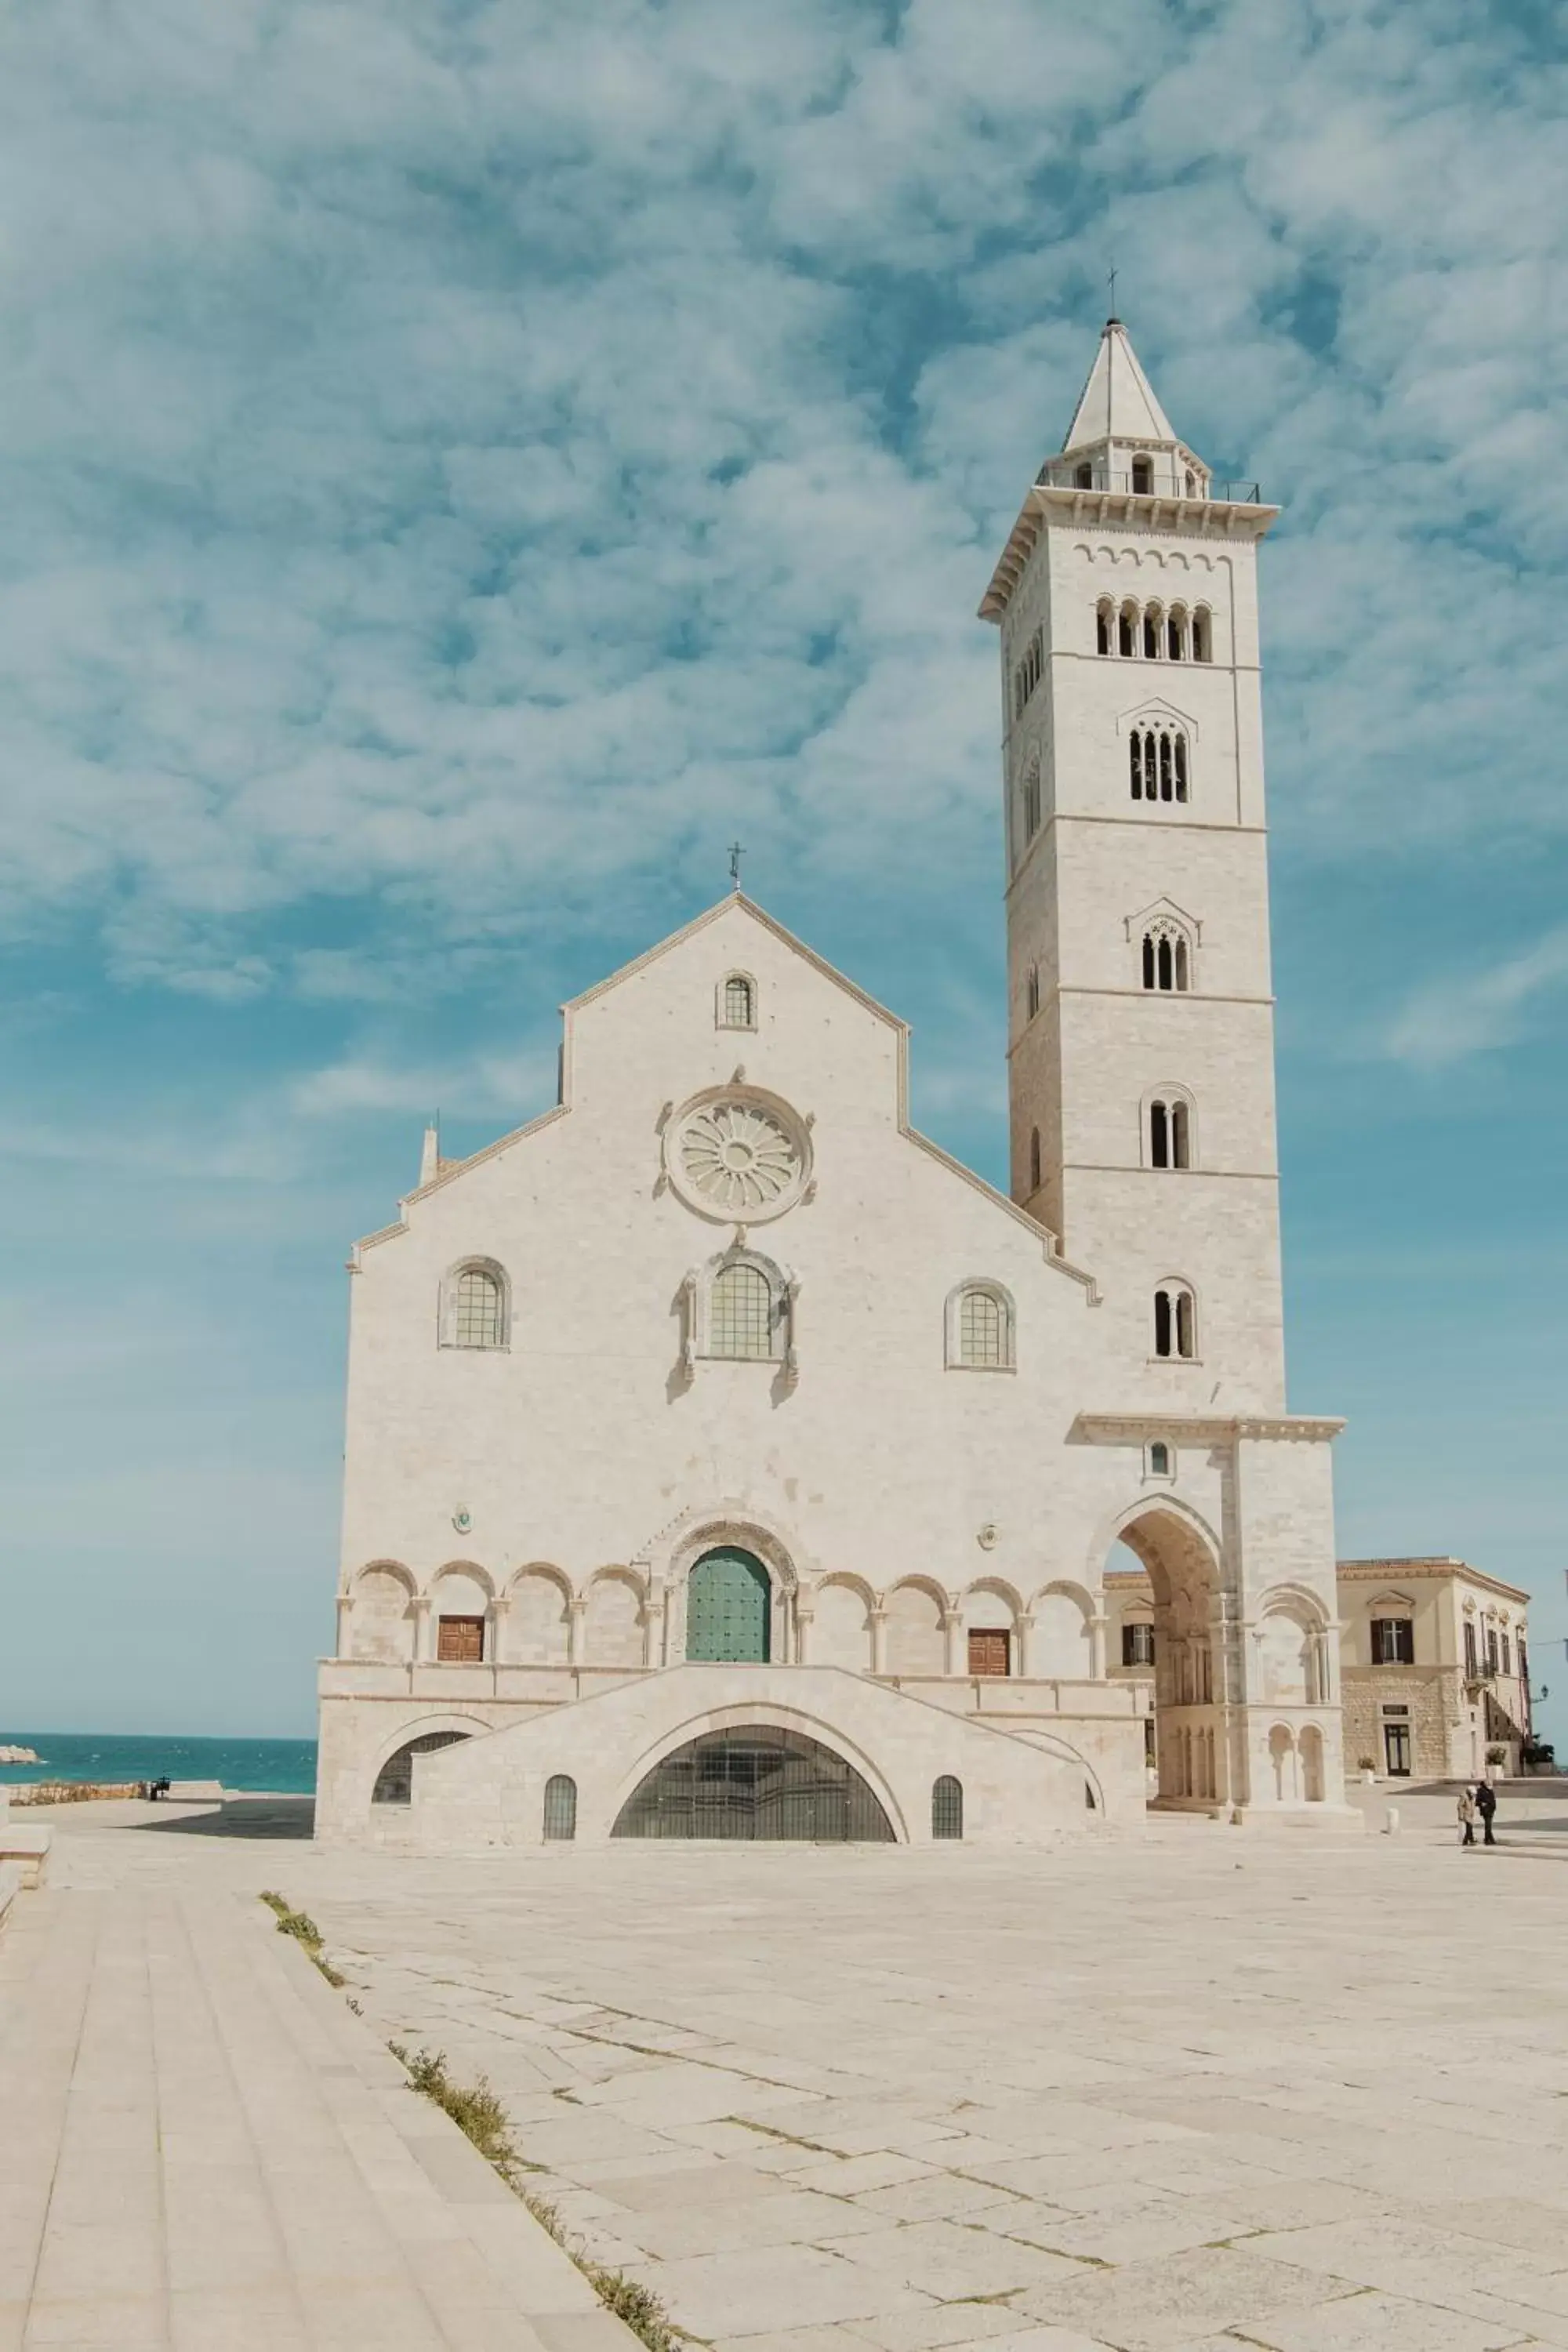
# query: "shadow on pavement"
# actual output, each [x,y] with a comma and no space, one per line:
[239,1817]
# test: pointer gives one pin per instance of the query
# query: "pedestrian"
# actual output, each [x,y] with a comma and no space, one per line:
[1486,1805]
[1467,1817]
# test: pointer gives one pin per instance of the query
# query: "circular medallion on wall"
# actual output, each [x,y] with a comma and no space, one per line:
[737,1155]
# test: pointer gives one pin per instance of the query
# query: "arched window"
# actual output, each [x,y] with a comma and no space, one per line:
[947,1807]
[1034,1160]
[1127,629]
[1203,635]
[1166,965]
[1176,633]
[1151,633]
[1175,1322]
[1083,478]
[560,1807]
[1170,1133]
[1191,483]
[1104,624]
[1142,477]
[738,1001]
[1026,677]
[475,1306]
[980,1329]
[741,1313]
[1159,1466]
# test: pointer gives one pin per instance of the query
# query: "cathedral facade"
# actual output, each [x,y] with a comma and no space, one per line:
[725,1460]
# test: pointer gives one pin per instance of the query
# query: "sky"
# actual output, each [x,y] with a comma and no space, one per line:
[462,464]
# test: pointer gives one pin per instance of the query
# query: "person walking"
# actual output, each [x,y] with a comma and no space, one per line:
[1467,1817]
[1486,1805]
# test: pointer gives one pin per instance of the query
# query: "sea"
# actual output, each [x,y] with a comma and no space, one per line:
[284,1766]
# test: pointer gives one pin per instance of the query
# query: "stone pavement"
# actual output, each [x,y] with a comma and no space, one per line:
[202,2148]
[1208,2090]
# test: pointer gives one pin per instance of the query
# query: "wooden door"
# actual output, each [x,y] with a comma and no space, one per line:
[460,1641]
[989,1652]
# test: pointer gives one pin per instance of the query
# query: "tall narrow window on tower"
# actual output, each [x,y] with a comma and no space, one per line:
[1175,1322]
[1157,763]
[1104,624]
[1203,635]
[1142,477]
[1026,677]
[1031,799]
[1169,1132]
[1032,993]
[1165,960]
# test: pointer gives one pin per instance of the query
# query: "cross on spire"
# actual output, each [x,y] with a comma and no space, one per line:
[736,854]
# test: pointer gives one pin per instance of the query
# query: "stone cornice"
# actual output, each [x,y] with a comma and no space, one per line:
[1148,515]
[1214,1429]
[1388,1572]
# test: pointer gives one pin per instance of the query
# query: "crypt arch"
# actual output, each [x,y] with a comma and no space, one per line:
[742,1717]
[390,1775]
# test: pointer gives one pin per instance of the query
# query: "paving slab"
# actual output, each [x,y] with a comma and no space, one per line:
[1181,2094]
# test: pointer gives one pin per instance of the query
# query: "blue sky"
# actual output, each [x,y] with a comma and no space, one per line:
[462,464]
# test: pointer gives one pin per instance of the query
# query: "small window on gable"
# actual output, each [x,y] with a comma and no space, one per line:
[1175,1323]
[738,1001]
[980,1329]
[1142,477]
[474,1308]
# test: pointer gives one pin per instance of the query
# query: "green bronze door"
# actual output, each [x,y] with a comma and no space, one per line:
[727,1597]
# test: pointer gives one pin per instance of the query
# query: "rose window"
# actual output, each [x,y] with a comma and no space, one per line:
[738,1157]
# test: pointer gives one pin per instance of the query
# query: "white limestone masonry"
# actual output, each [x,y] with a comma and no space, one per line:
[718,1401]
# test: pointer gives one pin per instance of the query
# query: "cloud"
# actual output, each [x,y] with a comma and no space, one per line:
[514,1089]
[1453,1019]
[457,456]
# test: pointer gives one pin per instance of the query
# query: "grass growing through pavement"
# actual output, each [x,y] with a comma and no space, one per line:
[304,1930]
[477,2113]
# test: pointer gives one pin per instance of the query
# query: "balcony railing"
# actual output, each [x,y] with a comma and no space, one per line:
[1119,483]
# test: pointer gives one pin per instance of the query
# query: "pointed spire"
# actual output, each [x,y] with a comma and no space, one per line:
[1117,403]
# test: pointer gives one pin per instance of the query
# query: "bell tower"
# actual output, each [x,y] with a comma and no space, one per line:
[1141,1008]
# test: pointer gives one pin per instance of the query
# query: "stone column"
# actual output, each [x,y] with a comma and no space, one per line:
[1097,1629]
[1026,1632]
[345,1613]
[499,1612]
[804,1614]
[424,1642]
[653,1625]
[574,1631]
[878,1641]
[953,1626]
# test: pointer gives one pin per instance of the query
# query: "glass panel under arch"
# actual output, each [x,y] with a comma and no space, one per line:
[761,1782]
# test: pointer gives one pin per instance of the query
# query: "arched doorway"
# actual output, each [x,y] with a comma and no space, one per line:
[762,1782]
[1171,1639]
[729,1609]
